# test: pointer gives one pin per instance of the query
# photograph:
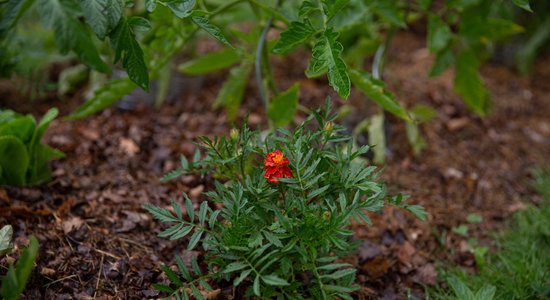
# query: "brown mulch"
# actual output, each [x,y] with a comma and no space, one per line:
[97,242]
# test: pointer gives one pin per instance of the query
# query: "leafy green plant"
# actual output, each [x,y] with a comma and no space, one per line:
[286,202]
[13,284]
[23,158]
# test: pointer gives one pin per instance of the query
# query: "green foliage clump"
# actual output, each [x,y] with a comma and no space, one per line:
[23,158]
[277,239]
[13,284]
[520,268]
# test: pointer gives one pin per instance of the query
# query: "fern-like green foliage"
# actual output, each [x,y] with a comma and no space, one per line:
[23,158]
[278,240]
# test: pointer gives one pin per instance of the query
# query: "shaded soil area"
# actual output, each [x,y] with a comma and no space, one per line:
[97,242]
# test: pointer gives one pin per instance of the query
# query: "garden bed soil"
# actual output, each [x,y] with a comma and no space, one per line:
[96,241]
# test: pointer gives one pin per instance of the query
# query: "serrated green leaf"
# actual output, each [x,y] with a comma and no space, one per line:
[332,7]
[274,280]
[232,91]
[306,8]
[256,286]
[327,57]
[189,209]
[170,231]
[181,8]
[213,30]
[195,238]
[6,234]
[210,62]
[234,266]
[102,15]
[296,34]
[523,4]
[70,33]
[172,276]
[417,210]
[213,218]
[439,34]
[273,239]
[160,214]
[172,175]
[241,277]
[196,293]
[469,85]
[340,289]
[183,269]
[282,107]
[339,274]
[181,233]
[203,210]
[374,89]
[333,266]
[127,48]
[104,97]
[442,61]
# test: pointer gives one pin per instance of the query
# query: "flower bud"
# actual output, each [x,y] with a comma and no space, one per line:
[234,134]
[329,126]
[326,215]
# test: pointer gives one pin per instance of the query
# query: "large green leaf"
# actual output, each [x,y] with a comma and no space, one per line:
[22,127]
[127,48]
[469,85]
[70,33]
[296,34]
[327,57]
[213,30]
[14,160]
[104,97]
[374,90]
[439,34]
[283,106]
[332,7]
[210,62]
[102,15]
[232,91]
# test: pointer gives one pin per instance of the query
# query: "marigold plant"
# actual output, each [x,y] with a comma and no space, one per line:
[286,203]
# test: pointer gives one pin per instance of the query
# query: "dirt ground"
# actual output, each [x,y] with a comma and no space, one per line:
[97,242]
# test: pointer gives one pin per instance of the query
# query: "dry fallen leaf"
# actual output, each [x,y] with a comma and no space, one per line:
[71,224]
[128,146]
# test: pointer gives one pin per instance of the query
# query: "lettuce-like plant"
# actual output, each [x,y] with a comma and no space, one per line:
[286,202]
[23,159]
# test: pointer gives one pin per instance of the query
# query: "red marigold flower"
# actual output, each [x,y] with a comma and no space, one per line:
[276,166]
